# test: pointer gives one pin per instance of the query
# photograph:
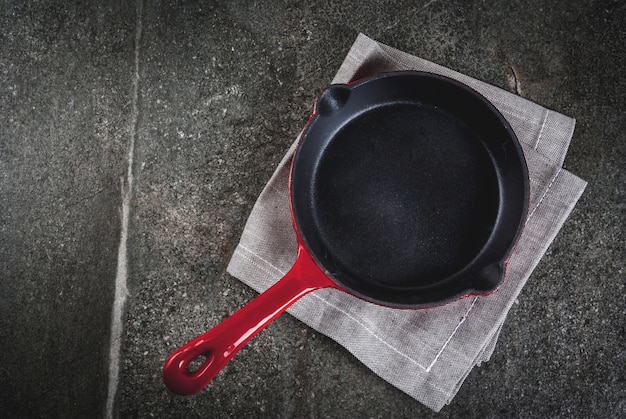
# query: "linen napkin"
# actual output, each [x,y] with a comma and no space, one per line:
[425,353]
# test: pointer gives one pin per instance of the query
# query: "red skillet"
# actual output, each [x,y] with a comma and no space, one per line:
[407,190]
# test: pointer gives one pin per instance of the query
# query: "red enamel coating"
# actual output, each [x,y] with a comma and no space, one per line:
[221,343]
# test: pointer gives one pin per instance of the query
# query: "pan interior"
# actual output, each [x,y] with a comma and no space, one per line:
[404,195]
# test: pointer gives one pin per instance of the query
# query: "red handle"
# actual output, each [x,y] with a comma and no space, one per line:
[217,346]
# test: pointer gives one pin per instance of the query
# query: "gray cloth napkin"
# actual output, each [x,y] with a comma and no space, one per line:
[425,353]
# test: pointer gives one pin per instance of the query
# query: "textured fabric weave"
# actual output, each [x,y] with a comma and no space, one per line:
[425,353]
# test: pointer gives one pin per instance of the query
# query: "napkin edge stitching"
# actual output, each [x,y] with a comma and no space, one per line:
[556,175]
[363,325]
[349,315]
[543,125]
[465,316]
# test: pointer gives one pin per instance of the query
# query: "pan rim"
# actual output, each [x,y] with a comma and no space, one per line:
[442,291]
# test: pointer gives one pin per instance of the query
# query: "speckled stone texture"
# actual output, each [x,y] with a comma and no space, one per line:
[223,90]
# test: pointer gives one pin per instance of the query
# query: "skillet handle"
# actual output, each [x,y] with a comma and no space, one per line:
[216,347]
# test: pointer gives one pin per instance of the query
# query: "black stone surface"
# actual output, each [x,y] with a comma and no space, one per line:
[223,89]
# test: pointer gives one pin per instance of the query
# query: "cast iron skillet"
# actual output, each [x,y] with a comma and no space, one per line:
[407,190]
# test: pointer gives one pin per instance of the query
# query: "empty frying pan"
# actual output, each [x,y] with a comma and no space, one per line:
[407,189]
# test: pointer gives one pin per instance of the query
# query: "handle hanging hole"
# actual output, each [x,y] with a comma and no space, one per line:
[196,363]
